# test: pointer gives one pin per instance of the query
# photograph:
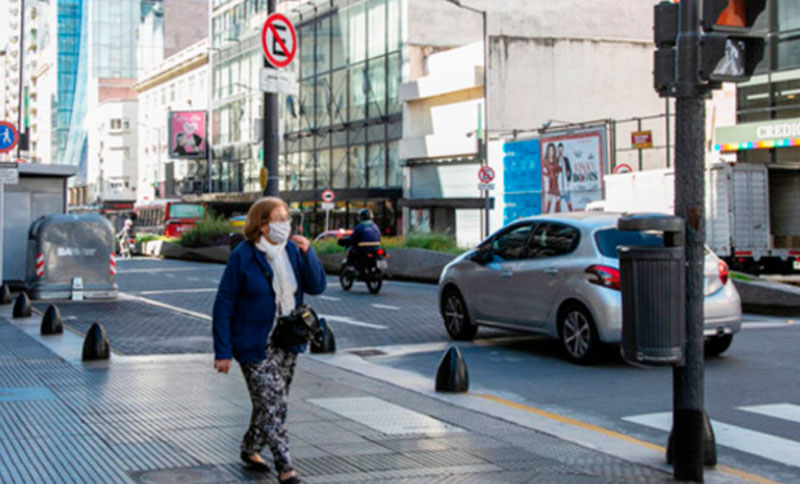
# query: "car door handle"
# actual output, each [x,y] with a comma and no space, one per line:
[551,271]
[506,274]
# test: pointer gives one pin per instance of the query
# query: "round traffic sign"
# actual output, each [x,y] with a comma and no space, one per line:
[623,168]
[486,174]
[279,40]
[9,136]
[328,196]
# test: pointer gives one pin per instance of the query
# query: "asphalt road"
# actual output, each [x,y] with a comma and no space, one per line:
[752,391]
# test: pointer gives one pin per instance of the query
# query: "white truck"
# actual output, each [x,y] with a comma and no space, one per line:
[737,209]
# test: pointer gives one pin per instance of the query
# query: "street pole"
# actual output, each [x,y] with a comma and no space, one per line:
[688,405]
[639,128]
[21,78]
[271,134]
[210,84]
[485,160]
[666,102]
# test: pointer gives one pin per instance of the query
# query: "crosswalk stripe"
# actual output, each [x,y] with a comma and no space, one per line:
[784,411]
[763,445]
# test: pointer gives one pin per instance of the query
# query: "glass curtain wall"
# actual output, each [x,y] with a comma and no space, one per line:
[69,36]
[342,129]
[779,96]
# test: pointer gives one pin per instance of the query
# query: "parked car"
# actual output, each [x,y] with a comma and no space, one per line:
[559,275]
[333,234]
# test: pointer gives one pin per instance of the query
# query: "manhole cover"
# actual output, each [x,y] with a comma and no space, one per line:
[187,475]
[368,352]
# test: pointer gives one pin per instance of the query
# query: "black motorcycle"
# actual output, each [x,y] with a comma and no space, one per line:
[367,268]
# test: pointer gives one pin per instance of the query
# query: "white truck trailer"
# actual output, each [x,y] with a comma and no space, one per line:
[737,209]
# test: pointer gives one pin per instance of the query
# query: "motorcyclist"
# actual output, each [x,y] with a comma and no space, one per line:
[365,238]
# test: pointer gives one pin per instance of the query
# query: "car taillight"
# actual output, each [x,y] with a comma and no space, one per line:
[604,276]
[724,273]
[381,252]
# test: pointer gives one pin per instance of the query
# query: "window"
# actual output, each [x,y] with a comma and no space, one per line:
[553,239]
[511,244]
[608,240]
[126,124]
[116,124]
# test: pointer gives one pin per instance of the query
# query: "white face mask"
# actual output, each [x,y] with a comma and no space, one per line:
[279,232]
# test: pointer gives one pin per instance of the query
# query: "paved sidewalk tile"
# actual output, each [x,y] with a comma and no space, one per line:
[172,419]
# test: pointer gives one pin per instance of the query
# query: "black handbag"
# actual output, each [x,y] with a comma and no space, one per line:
[299,327]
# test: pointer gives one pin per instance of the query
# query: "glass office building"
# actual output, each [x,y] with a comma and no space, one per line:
[340,132]
[69,46]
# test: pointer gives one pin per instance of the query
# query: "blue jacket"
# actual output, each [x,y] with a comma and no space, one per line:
[244,310]
[366,231]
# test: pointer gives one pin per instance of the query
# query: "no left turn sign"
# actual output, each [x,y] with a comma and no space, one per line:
[279,40]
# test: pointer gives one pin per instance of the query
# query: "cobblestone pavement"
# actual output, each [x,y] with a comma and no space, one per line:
[172,419]
[152,323]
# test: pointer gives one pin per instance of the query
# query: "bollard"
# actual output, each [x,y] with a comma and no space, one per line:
[95,346]
[5,295]
[328,344]
[52,322]
[22,306]
[452,373]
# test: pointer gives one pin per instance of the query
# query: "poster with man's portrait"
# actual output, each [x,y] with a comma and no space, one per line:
[572,169]
[187,134]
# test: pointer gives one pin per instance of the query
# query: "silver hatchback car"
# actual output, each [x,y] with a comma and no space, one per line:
[559,275]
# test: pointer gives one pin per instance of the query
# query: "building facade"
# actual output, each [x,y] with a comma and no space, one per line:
[178,83]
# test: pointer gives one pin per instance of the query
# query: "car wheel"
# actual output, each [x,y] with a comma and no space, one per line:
[456,318]
[717,345]
[578,335]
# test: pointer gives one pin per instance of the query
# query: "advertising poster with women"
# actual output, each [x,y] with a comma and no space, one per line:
[560,172]
[572,169]
[187,131]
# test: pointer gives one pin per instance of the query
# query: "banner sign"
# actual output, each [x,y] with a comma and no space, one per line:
[187,134]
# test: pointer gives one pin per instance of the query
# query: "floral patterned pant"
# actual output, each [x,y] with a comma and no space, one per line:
[268,383]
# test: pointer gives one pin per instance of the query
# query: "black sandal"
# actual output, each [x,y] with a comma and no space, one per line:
[254,465]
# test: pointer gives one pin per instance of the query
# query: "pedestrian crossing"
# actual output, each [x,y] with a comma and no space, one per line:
[761,444]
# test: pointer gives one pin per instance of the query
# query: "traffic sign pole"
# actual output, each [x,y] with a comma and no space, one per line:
[271,134]
[485,176]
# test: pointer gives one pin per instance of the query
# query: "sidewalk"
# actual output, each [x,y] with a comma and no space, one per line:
[142,419]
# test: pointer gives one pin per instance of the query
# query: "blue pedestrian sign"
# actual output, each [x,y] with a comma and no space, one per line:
[8,137]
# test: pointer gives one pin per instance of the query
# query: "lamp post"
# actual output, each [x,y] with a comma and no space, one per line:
[484,145]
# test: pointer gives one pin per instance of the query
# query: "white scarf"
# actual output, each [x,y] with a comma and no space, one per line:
[284,282]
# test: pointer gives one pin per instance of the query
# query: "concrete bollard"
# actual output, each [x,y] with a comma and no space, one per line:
[5,295]
[452,374]
[52,322]
[95,346]
[328,344]
[22,306]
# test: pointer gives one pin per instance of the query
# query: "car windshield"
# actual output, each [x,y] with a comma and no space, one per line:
[608,240]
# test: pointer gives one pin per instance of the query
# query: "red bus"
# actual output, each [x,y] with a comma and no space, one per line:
[167,217]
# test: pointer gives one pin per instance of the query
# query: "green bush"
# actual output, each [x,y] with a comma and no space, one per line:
[438,242]
[142,238]
[328,246]
[207,232]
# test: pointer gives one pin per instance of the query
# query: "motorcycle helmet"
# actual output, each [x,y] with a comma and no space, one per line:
[364,214]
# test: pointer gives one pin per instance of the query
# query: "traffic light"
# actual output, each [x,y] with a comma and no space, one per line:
[728,49]
[665,30]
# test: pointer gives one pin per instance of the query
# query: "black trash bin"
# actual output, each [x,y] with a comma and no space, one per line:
[653,286]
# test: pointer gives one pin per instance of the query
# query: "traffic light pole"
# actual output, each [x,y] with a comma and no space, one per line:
[687,440]
[271,134]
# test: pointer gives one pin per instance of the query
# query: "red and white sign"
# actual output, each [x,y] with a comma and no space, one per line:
[641,140]
[486,174]
[328,196]
[623,168]
[40,265]
[279,40]
[112,266]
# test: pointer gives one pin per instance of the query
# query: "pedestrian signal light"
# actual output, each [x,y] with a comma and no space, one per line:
[729,51]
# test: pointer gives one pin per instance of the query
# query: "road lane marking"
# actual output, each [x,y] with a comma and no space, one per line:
[352,322]
[175,291]
[747,476]
[768,325]
[159,304]
[386,306]
[783,411]
[329,298]
[768,446]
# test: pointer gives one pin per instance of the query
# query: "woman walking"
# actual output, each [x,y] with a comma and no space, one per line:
[265,278]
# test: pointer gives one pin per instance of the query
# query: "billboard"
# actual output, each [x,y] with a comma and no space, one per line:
[557,172]
[187,134]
